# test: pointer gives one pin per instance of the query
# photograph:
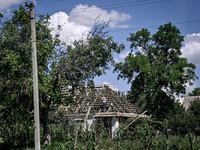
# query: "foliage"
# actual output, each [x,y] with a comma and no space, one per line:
[195,107]
[178,108]
[16,135]
[183,123]
[58,66]
[185,144]
[1,15]
[146,137]
[90,56]
[195,110]
[15,73]
[16,70]
[156,70]
[195,92]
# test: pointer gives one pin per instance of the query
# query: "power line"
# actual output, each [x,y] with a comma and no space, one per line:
[127,4]
[114,4]
[50,2]
[153,26]
[137,28]
[35,4]
[109,6]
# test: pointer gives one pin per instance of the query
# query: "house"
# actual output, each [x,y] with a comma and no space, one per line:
[185,101]
[101,102]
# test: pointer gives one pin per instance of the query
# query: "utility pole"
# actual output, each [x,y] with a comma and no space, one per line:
[35,78]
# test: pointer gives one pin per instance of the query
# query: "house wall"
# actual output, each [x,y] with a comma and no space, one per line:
[185,101]
[115,126]
[90,124]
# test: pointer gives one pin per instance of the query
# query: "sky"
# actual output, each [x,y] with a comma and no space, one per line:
[127,16]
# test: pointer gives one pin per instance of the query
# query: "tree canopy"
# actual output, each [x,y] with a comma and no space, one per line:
[156,69]
[58,65]
[195,92]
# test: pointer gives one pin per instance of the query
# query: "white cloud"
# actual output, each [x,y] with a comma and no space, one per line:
[69,30]
[6,4]
[191,49]
[81,19]
[86,15]
[124,55]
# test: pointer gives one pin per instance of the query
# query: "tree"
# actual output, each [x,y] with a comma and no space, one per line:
[195,104]
[156,71]
[80,63]
[1,16]
[58,65]
[16,70]
[195,92]
[194,108]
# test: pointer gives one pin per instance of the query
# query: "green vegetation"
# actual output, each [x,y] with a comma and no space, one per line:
[156,69]
[58,66]
[144,134]
[156,73]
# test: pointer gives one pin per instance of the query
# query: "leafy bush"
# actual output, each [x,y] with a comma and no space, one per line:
[185,122]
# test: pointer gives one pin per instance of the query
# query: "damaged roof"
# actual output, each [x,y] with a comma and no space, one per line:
[95,96]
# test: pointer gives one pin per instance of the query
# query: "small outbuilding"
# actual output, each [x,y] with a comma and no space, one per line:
[101,102]
[185,101]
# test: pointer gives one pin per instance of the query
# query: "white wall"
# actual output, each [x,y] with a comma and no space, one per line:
[90,124]
[115,126]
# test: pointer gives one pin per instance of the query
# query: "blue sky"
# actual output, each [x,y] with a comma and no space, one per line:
[127,16]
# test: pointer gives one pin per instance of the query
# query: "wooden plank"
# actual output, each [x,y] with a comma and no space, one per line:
[86,118]
[135,119]
[115,114]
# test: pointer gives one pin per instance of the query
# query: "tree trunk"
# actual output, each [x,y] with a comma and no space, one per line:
[46,130]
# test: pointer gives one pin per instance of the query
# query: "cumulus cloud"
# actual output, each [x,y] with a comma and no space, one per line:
[85,15]
[81,19]
[69,30]
[6,4]
[191,48]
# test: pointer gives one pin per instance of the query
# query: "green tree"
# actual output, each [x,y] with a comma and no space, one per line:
[16,67]
[58,65]
[195,92]
[194,109]
[156,70]
[1,16]
[195,104]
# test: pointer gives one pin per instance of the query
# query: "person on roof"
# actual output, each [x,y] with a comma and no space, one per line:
[103,104]
[111,105]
